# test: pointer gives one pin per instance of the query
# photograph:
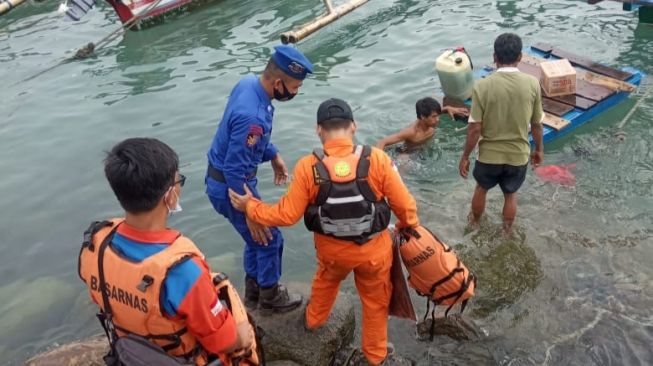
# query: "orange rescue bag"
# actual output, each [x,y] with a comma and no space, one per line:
[434,269]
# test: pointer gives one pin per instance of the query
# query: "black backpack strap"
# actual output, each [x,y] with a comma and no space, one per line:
[319,153]
[432,311]
[471,279]
[363,168]
[363,171]
[459,294]
[106,314]
[321,177]
[87,241]
[443,280]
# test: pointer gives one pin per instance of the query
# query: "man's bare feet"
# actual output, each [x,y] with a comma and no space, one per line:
[473,221]
[507,228]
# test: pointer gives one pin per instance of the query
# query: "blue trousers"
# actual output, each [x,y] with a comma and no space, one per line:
[261,262]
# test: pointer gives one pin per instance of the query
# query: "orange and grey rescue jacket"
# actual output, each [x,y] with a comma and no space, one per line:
[134,289]
[346,208]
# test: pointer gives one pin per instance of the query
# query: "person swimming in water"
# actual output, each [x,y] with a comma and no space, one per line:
[423,128]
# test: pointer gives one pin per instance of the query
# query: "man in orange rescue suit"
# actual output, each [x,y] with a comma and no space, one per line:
[157,282]
[345,193]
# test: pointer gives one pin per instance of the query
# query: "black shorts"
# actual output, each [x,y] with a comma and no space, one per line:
[509,177]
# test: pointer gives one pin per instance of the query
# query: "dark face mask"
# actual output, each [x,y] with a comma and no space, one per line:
[285,96]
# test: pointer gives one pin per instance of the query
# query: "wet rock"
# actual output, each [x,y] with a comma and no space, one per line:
[285,341]
[506,269]
[454,326]
[86,353]
[285,337]
[460,354]
[351,356]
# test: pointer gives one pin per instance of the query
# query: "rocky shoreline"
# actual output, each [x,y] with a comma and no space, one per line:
[284,339]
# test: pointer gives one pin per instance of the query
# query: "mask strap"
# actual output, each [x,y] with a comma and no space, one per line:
[171,189]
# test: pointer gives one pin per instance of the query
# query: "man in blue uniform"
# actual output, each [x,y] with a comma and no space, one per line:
[241,143]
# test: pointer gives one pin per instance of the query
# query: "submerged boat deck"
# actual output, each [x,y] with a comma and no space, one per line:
[598,88]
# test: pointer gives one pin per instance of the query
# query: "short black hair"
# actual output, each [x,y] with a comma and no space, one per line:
[507,48]
[426,106]
[335,124]
[272,71]
[140,171]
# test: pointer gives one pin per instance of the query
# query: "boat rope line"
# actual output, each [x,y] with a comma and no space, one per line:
[620,134]
[87,50]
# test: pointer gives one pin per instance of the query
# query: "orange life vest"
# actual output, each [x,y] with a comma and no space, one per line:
[346,208]
[228,294]
[134,290]
[434,268]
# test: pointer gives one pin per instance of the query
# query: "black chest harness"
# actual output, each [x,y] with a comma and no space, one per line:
[347,210]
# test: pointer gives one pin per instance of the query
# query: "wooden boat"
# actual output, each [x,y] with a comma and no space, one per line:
[141,12]
[145,12]
[598,88]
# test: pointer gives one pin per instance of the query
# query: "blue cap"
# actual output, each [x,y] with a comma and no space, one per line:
[292,61]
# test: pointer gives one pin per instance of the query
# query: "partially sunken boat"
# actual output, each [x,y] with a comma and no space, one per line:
[598,88]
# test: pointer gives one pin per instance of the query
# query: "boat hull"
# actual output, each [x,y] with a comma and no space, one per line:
[145,10]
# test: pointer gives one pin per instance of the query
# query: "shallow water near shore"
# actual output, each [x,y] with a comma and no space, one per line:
[573,286]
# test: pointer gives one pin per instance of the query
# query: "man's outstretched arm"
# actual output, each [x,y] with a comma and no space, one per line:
[290,207]
[398,137]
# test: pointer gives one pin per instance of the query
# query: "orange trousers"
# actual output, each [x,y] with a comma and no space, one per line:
[371,264]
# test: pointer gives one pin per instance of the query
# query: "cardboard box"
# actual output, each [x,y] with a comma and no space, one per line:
[558,78]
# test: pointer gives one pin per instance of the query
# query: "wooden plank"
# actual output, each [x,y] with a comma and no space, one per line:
[608,82]
[555,108]
[575,100]
[542,47]
[590,65]
[592,91]
[554,122]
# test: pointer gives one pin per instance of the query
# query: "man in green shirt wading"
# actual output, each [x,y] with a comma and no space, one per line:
[503,105]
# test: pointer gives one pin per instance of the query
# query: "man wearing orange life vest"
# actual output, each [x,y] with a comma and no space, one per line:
[345,193]
[157,282]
